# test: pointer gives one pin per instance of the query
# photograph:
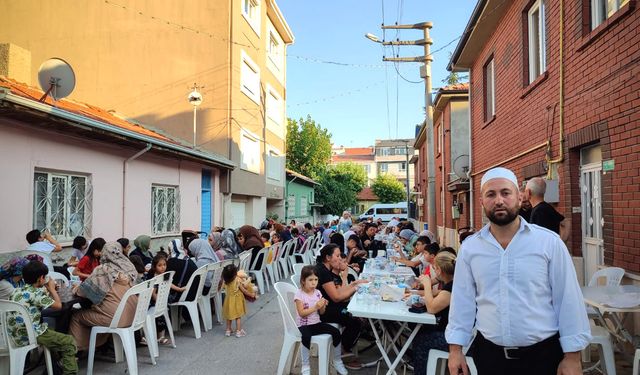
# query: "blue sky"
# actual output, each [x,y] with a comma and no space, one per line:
[352,101]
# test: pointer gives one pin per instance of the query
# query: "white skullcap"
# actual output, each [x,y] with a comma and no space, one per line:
[499,172]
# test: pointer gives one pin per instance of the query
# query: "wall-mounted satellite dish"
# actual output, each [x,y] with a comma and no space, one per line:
[56,78]
[461,166]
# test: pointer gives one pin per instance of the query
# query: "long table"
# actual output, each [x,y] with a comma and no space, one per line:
[602,297]
[390,311]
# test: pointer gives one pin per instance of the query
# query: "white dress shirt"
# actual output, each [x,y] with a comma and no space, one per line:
[523,294]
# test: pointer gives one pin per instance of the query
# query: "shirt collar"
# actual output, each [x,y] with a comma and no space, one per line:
[485,233]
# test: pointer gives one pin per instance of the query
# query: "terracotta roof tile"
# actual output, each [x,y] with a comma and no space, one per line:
[358,151]
[456,87]
[367,194]
[83,109]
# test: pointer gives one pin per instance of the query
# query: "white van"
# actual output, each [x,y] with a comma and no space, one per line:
[386,211]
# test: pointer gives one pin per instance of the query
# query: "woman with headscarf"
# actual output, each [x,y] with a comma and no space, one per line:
[11,276]
[142,244]
[218,244]
[202,251]
[183,266]
[105,288]
[230,243]
[250,240]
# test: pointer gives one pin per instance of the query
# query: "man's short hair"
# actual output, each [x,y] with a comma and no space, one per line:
[33,236]
[537,186]
[33,270]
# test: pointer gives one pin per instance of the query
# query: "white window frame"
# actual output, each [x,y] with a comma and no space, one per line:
[274,164]
[490,89]
[250,78]
[73,218]
[274,100]
[603,9]
[400,166]
[537,40]
[165,209]
[384,167]
[252,14]
[249,152]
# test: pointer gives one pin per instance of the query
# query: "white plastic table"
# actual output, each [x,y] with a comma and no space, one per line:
[602,298]
[393,311]
[399,271]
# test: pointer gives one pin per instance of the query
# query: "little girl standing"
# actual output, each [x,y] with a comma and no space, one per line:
[309,303]
[233,307]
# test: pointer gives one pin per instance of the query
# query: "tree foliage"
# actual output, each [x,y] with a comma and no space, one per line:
[388,189]
[308,147]
[339,187]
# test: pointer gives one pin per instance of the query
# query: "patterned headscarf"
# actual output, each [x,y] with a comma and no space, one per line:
[230,244]
[113,264]
[13,267]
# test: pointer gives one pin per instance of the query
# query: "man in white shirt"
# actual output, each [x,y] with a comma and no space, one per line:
[44,243]
[517,282]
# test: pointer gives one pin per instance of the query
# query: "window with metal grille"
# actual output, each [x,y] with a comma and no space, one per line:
[165,209]
[62,204]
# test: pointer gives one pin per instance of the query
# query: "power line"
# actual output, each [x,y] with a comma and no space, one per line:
[328,98]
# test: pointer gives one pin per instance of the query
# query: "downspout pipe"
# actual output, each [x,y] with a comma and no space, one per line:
[560,157]
[125,165]
[471,200]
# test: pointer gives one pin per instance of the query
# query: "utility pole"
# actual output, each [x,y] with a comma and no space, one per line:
[425,72]
[406,167]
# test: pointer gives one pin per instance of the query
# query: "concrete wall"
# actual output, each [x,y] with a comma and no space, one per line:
[22,153]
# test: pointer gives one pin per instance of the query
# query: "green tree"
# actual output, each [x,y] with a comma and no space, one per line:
[339,187]
[388,189]
[308,147]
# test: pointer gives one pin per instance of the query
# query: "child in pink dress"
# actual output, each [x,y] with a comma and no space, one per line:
[309,304]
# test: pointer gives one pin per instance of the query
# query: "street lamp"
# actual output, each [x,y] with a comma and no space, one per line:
[372,38]
[195,98]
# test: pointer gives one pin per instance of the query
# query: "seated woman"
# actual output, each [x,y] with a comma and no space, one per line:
[333,290]
[142,244]
[11,276]
[356,255]
[79,247]
[203,252]
[105,288]
[250,240]
[432,337]
[421,257]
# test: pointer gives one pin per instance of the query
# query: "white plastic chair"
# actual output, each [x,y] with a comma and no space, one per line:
[292,336]
[272,266]
[245,260]
[636,360]
[192,306]
[600,336]
[58,276]
[161,309]
[435,355]
[612,276]
[300,255]
[297,268]
[259,273]
[283,259]
[123,337]
[295,280]
[17,354]
[205,302]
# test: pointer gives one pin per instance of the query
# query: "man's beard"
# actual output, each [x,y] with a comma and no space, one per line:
[507,218]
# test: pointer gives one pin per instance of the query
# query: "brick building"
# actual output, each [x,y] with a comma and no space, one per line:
[556,92]
[451,146]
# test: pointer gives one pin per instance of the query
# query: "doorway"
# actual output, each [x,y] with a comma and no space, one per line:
[591,204]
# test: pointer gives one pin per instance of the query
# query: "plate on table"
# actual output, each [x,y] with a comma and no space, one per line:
[623,301]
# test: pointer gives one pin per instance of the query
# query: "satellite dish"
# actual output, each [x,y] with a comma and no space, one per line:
[461,166]
[56,78]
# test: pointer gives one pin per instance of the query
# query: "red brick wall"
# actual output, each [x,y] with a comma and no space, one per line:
[602,90]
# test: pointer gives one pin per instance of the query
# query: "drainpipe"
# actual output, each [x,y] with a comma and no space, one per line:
[470,156]
[561,130]
[125,164]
